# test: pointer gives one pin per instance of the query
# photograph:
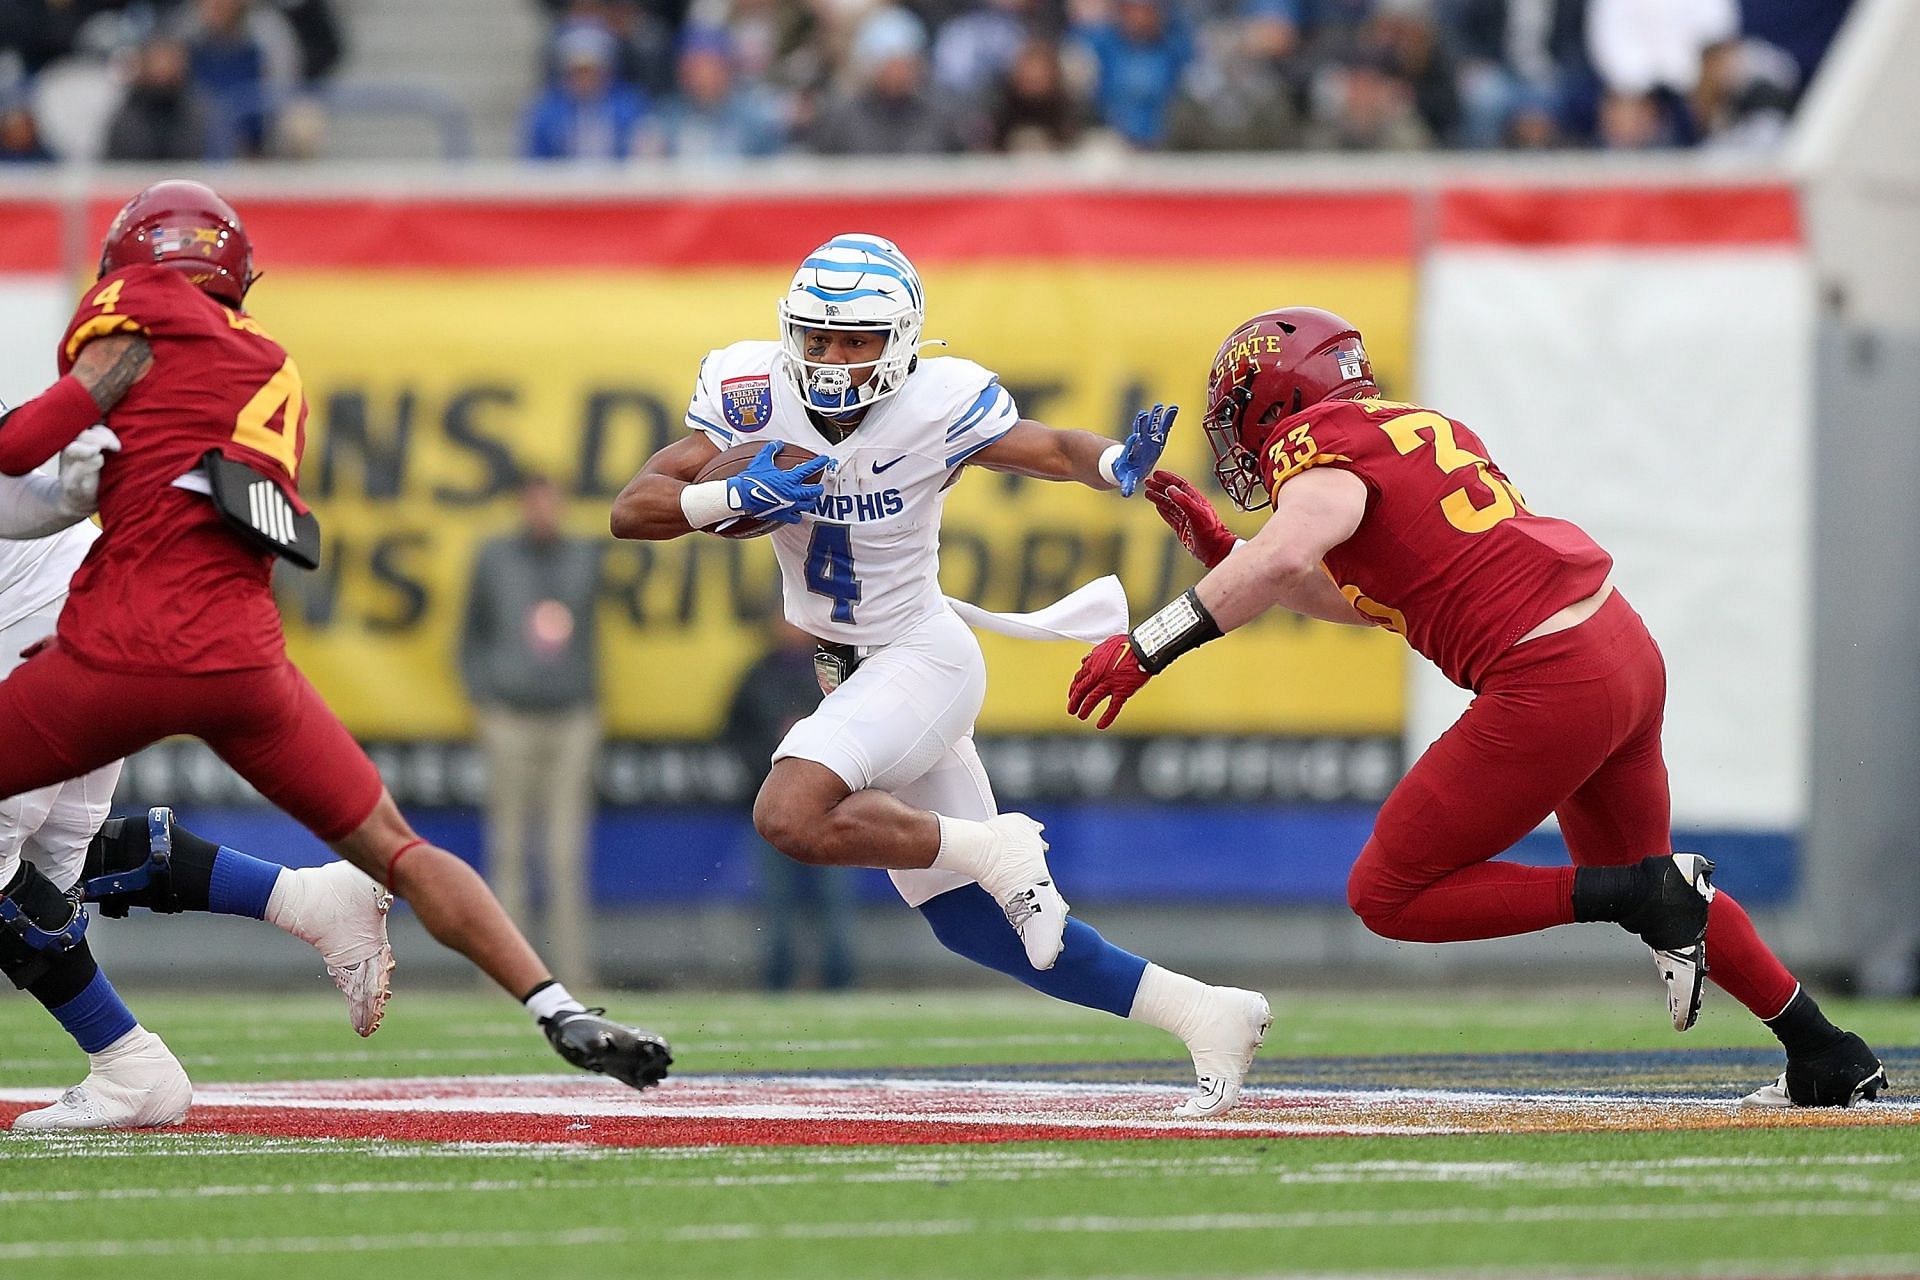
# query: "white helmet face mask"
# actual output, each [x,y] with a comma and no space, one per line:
[855,282]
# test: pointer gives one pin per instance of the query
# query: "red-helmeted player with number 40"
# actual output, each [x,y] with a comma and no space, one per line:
[1392,515]
[170,626]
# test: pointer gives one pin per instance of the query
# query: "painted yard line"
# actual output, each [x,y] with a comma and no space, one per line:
[1750,1175]
[893,1229]
[1866,1266]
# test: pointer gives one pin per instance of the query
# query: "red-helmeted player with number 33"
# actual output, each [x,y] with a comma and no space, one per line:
[1388,514]
[170,625]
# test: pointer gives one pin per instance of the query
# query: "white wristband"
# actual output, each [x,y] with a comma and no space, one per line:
[1108,460]
[705,505]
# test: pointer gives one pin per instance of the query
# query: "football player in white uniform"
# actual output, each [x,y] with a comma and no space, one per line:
[884,773]
[58,848]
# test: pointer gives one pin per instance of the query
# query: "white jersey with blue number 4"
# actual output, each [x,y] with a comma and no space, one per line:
[863,568]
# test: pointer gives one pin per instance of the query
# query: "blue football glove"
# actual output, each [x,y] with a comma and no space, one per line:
[765,492]
[1140,451]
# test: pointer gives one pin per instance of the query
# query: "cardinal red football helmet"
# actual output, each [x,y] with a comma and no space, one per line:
[1269,368]
[188,227]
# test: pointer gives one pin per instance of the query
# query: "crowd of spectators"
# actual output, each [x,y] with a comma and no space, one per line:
[716,81]
[162,80]
[721,80]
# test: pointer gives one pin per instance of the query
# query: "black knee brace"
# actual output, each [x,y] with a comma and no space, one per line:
[38,924]
[149,863]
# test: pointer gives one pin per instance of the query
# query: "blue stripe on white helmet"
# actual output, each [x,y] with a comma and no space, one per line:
[853,281]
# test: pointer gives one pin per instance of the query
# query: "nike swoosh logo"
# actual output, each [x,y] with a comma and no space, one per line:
[878,467]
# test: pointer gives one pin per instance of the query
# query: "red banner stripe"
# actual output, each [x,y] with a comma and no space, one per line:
[1623,217]
[32,241]
[448,234]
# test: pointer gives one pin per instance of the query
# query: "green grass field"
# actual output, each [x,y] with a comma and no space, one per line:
[1767,1201]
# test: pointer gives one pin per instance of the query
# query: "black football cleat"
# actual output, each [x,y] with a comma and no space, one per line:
[1673,922]
[594,1043]
[1843,1073]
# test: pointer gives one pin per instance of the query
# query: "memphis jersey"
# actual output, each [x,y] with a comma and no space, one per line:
[863,567]
[34,572]
[1448,554]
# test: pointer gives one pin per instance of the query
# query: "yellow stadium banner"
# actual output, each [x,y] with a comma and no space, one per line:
[432,390]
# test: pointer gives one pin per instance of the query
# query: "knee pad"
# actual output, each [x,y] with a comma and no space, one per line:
[130,863]
[38,923]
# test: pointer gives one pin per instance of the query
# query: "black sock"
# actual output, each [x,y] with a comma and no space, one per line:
[1607,893]
[1802,1028]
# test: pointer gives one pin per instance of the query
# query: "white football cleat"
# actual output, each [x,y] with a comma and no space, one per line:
[1684,968]
[1022,885]
[134,1083]
[342,912]
[1223,1047]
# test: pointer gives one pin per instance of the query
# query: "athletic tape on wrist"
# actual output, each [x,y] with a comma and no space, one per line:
[1182,625]
[1109,459]
[705,505]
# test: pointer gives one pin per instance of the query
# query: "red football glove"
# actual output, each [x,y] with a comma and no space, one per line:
[1111,672]
[1191,517]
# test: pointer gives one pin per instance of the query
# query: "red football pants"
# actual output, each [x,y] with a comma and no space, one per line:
[61,718]
[1568,724]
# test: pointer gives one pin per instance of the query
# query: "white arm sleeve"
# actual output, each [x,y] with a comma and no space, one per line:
[30,507]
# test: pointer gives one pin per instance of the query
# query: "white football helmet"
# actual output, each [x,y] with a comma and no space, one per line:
[853,281]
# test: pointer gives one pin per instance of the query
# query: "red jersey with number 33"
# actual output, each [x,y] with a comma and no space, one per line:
[170,587]
[1448,554]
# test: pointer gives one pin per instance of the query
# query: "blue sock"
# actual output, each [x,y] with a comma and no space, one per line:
[1090,971]
[241,884]
[97,1016]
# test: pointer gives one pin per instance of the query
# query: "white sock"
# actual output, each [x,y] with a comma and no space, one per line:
[550,998]
[1171,1001]
[966,847]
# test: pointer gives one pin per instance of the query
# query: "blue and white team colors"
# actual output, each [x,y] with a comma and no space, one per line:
[863,568]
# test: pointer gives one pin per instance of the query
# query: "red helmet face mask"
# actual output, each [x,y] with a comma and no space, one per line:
[185,226]
[1269,368]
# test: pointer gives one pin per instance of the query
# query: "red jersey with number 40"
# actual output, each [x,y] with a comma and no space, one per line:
[1448,554]
[170,587]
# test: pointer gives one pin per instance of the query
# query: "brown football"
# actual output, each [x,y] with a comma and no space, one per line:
[731,462]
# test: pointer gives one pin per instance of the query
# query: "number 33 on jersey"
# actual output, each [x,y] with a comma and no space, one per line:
[1443,524]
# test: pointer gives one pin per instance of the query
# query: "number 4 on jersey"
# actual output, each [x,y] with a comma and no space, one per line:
[830,568]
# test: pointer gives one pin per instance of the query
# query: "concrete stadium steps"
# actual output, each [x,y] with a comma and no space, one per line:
[484,54]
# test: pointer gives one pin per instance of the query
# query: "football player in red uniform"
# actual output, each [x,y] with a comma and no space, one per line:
[170,625]
[1392,515]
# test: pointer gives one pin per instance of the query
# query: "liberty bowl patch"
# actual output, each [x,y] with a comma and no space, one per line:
[747,402]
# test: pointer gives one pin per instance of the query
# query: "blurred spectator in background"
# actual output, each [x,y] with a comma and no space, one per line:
[163,116]
[245,59]
[713,116]
[1518,60]
[1404,35]
[642,42]
[894,109]
[316,30]
[1362,104]
[530,660]
[1139,53]
[1649,55]
[1636,122]
[776,692]
[20,132]
[1034,108]
[1234,97]
[1532,121]
[976,48]
[1745,96]
[586,114]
